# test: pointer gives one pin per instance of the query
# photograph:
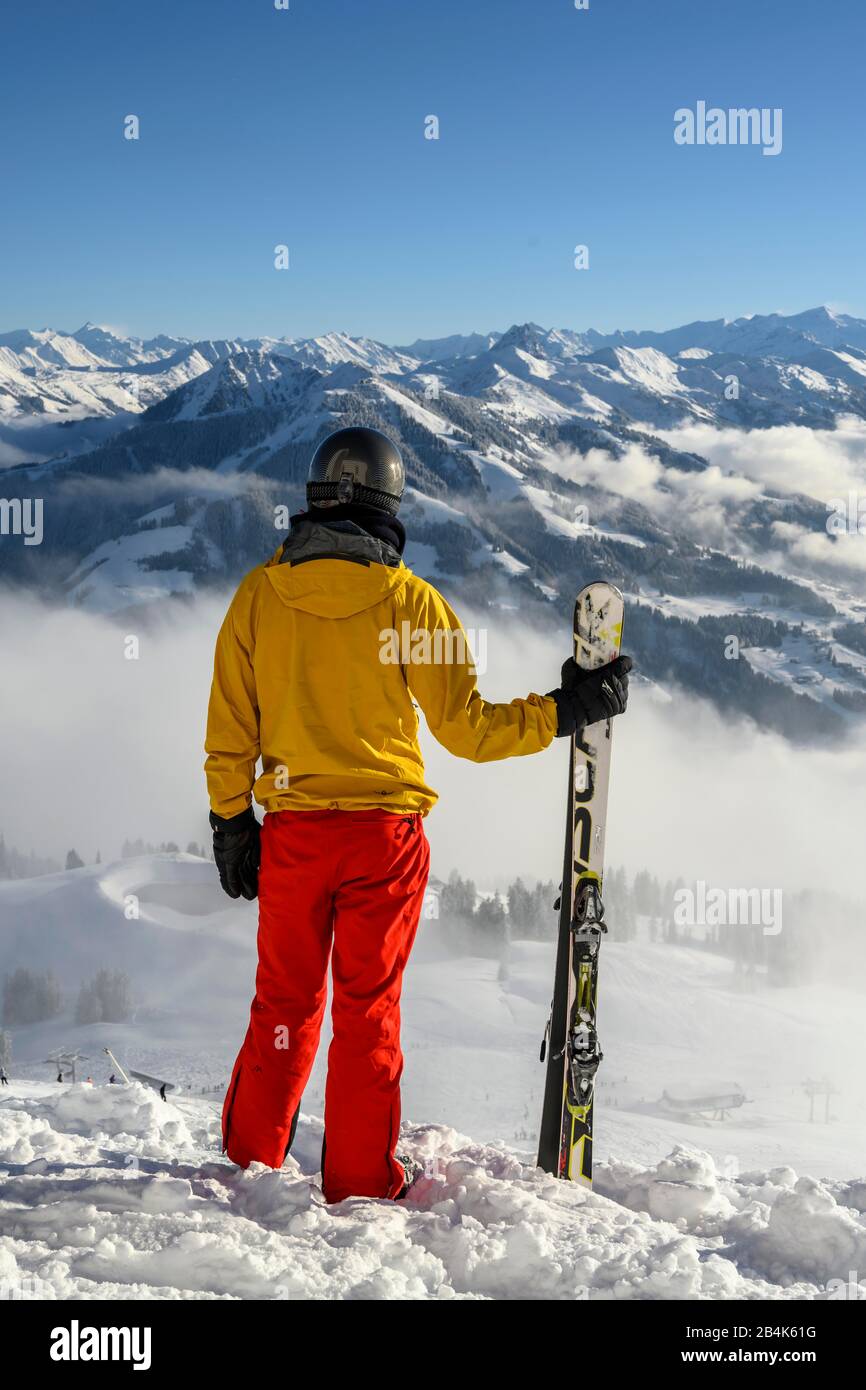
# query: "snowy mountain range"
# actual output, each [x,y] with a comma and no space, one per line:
[537,458]
[810,366]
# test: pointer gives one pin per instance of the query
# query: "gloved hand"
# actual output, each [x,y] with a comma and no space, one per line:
[237,851]
[585,697]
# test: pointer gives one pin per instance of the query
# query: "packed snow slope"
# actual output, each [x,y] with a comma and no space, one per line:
[675,1020]
[108,1191]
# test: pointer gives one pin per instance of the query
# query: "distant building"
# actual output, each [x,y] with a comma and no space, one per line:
[432,898]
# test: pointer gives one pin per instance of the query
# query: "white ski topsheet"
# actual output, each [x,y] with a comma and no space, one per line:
[598,626]
[598,623]
[597,637]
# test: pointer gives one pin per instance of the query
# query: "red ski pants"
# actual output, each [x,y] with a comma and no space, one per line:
[346,884]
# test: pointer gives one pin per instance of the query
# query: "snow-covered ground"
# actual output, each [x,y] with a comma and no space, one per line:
[107,1191]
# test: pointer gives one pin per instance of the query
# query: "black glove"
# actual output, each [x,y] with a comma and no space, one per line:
[237,852]
[585,697]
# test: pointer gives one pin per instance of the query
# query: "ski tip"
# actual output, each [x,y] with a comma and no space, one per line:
[601,584]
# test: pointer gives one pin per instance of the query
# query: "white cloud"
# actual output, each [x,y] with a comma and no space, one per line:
[145,487]
[745,466]
[702,504]
[793,458]
[818,550]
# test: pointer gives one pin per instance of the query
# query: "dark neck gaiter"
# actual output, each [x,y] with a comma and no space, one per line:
[376,523]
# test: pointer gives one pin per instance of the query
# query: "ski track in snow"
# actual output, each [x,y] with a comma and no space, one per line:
[108,1192]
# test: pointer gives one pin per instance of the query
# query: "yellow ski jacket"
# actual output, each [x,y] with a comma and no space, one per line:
[316,666]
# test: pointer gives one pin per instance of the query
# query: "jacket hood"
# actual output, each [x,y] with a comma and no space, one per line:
[334,573]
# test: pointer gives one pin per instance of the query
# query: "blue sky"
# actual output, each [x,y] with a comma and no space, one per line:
[306,127]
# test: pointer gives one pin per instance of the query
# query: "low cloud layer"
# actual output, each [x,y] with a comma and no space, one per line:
[744,466]
[96,748]
[793,458]
[703,505]
[146,487]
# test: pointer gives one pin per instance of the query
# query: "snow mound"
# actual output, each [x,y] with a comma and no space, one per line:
[809,1233]
[110,1192]
[797,1233]
[94,1113]
[684,1187]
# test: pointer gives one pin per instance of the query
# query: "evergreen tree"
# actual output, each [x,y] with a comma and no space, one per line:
[458,898]
[88,1008]
[107,998]
[643,893]
[521,910]
[618,909]
[30,997]
[115,993]
[491,920]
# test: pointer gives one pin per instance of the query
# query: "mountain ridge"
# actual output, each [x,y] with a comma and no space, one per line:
[534,460]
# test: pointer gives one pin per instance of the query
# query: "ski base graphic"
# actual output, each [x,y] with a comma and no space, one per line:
[571,1046]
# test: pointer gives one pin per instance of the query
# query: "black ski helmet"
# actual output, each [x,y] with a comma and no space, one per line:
[356,465]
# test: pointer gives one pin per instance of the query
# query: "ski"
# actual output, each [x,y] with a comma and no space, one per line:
[570,1044]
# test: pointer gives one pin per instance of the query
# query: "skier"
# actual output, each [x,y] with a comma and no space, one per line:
[313,673]
[4,1079]
[162,1091]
